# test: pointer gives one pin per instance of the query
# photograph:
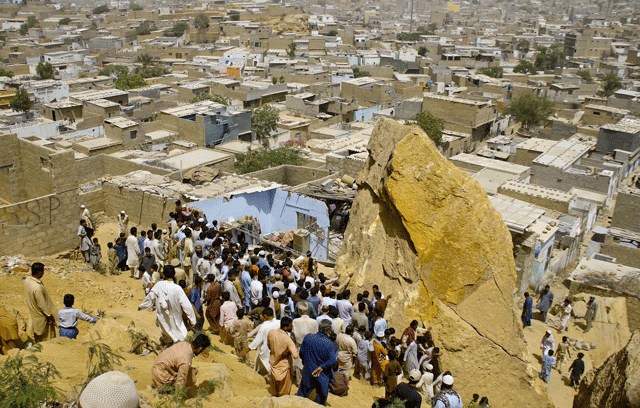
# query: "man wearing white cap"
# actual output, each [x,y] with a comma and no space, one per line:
[447,397]
[547,343]
[408,392]
[262,262]
[112,389]
[86,215]
[123,222]
[425,385]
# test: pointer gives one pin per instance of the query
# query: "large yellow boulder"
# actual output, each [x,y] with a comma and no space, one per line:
[426,234]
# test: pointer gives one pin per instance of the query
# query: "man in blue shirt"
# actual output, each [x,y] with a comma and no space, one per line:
[245,280]
[318,354]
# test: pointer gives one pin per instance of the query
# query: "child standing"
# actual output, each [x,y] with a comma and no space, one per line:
[95,254]
[391,373]
[548,362]
[240,330]
[68,318]
[112,259]
[562,352]
[576,369]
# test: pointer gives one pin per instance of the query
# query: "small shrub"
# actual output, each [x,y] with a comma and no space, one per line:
[26,382]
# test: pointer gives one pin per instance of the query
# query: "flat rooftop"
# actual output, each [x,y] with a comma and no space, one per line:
[98,143]
[498,165]
[538,191]
[563,154]
[121,122]
[222,187]
[518,215]
[626,125]
[453,99]
[195,158]
[536,144]
[607,276]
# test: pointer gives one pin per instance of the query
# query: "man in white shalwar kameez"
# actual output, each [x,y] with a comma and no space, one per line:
[261,344]
[302,326]
[171,304]
[133,253]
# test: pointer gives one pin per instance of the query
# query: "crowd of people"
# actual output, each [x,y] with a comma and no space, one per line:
[198,277]
[552,356]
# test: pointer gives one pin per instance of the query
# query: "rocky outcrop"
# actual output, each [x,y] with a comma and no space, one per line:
[426,233]
[616,384]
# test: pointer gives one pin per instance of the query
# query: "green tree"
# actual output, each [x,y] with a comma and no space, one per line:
[408,37]
[611,83]
[282,81]
[584,74]
[45,70]
[146,60]
[114,69]
[525,67]
[26,382]
[548,58]
[274,80]
[130,82]
[530,110]
[201,21]
[24,29]
[178,29]
[6,73]
[254,160]
[357,73]
[493,72]
[143,30]
[32,21]
[20,101]
[151,71]
[136,7]
[333,33]
[64,21]
[291,49]
[224,100]
[264,120]
[422,50]
[101,9]
[431,125]
[523,46]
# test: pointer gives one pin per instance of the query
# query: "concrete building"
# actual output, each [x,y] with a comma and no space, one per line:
[462,115]
[208,123]
[566,165]
[622,140]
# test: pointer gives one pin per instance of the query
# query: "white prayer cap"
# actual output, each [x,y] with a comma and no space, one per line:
[218,261]
[200,219]
[414,375]
[548,331]
[250,249]
[164,231]
[447,380]
[592,297]
[275,294]
[82,206]
[122,212]
[428,367]
[261,253]
[110,390]
[209,225]
[184,206]
[380,334]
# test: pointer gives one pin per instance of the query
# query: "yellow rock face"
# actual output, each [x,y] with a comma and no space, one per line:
[426,233]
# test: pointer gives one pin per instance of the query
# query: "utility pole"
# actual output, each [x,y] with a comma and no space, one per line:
[411,23]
